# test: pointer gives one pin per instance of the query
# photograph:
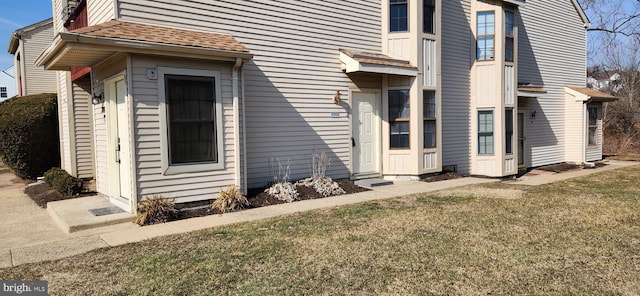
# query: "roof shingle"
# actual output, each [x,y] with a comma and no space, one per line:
[125,30]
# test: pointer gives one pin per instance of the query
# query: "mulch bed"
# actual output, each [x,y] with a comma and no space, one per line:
[41,194]
[559,168]
[443,176]
[258,198]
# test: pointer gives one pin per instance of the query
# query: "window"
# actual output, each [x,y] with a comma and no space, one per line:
[3,92]
[509,19]
[190,100]
[486,32]
[398,15]
[429,114]
[508,122]
[399,118]
[593,125]
[485,132]
[429,16]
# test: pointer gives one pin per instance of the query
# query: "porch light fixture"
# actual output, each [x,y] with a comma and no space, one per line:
[533,115]
[336,98]
[97,99]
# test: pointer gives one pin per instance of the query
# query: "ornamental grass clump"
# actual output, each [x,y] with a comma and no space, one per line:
[155,210]
[229,200]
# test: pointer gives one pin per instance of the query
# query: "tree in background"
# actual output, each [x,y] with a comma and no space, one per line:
[614,47]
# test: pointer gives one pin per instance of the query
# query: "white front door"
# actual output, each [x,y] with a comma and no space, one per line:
[366,134]
[119,144]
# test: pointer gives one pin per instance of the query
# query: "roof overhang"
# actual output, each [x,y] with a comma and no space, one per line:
[352,63]
[588,95]
[530,91]
[14,42]
[77,50]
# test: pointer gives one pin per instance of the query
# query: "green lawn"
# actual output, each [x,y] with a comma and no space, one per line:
[578,237]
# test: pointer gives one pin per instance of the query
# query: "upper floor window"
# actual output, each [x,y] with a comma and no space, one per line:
[486,34]
[429,16]
[3,92]
[399,118]
[398,15]
[509,25]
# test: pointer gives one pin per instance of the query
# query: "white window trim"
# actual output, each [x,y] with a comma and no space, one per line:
[167,168]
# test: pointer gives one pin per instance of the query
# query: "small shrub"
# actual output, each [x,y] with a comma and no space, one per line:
[229,200]
[284,191]
[29,142]
[155,210]
[61,181]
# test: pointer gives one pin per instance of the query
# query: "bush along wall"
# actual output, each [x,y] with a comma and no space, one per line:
[29,142]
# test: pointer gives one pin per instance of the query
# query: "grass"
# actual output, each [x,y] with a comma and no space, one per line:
[577,237]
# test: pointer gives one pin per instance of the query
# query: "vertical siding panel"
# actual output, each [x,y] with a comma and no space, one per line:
[551,52]
[290,82]
[456,86]
[429,65]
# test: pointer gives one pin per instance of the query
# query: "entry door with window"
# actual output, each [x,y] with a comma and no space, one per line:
[366,134]
[119,144]
[521,137]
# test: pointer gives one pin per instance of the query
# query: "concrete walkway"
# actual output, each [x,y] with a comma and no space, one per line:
[28,233]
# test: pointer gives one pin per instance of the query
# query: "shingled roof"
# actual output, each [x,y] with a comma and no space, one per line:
[118,29]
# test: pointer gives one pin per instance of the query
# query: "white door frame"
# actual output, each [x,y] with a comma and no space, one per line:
[119,164]
[354,128]
[520,120]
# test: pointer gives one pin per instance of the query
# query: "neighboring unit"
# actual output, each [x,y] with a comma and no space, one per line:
[192,96]
[7,84]
[25,45]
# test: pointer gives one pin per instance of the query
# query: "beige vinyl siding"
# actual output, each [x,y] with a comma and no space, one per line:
[295,72]
[551,52]
[457,55]
[36,79]
[108,68]
[58,21]
[63,115]
[575,121]
[183,187]
[100,11]
[83,129]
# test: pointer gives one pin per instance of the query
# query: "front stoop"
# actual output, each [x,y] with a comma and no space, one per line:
[83,213]
[373,182]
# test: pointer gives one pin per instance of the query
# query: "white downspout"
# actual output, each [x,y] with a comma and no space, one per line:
[236,121]
[245,190]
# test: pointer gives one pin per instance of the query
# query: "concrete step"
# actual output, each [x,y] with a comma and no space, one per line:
[89,212]
[373,182]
